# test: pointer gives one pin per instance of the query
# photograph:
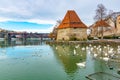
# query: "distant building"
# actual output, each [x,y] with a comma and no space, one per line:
[100,27]
[114,29]
[72,28]
[110,21]
[108,26]
[118,24]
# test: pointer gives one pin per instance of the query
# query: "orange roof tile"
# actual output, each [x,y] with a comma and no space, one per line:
[71,20]
[101,23]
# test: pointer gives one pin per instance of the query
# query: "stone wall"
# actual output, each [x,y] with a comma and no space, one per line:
[63,34]
[70,33]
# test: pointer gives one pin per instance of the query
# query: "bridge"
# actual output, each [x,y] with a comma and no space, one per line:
[23,35]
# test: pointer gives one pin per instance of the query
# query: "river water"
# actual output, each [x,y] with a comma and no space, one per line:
[35,60]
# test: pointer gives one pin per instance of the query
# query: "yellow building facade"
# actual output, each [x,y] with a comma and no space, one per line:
[118,24]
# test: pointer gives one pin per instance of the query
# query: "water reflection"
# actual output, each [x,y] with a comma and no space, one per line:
[107,58]
[4,44]
[85,60]
[66,62]
[106,53]
[14,49]
[70,57]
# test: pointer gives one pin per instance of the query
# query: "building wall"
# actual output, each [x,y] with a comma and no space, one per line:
[111,23]
[70,33]
[63,34]
[118,24]
[107,31]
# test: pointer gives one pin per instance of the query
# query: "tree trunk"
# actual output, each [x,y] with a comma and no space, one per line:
[102,33]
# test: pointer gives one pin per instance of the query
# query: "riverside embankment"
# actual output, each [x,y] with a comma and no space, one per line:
[92,42]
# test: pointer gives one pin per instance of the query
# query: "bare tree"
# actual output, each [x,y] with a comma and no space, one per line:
[100,12]
[53,34]
[58,21]
[100,15]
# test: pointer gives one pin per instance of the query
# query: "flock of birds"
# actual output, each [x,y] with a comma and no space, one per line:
[105,53]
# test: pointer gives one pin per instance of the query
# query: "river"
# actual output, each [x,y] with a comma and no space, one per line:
[35,60]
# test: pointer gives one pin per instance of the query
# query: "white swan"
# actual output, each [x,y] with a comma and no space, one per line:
[110,51]
[77,46]
[83,49]
[87,47]
[74,52]
[56,48]
[81,65]
[95,55]
[105,58]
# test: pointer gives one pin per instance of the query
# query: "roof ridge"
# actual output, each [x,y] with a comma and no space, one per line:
[71,20]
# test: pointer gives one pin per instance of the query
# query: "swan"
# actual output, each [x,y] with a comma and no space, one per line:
[90,45]
[105,47]
[110,51]
[87,47]
[77,46]
[95,55]
[105,58]
[56,48]
[74,52]
[91,48]
[81,65]
[83,49]
[106,54]
[100,49]
[118,50]
[94,46]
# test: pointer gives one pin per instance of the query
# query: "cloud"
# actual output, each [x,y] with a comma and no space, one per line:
[4,19]
[41,21]
[47,30]
[38,21]
[48,11]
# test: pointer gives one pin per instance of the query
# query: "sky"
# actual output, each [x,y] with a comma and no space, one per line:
[41,15]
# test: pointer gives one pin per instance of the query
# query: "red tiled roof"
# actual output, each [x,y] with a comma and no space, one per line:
[71,20]
[101,23]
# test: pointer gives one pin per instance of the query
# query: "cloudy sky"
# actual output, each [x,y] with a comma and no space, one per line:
[41,15]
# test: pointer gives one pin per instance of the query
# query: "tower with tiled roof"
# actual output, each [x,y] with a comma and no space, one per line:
[72,28]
